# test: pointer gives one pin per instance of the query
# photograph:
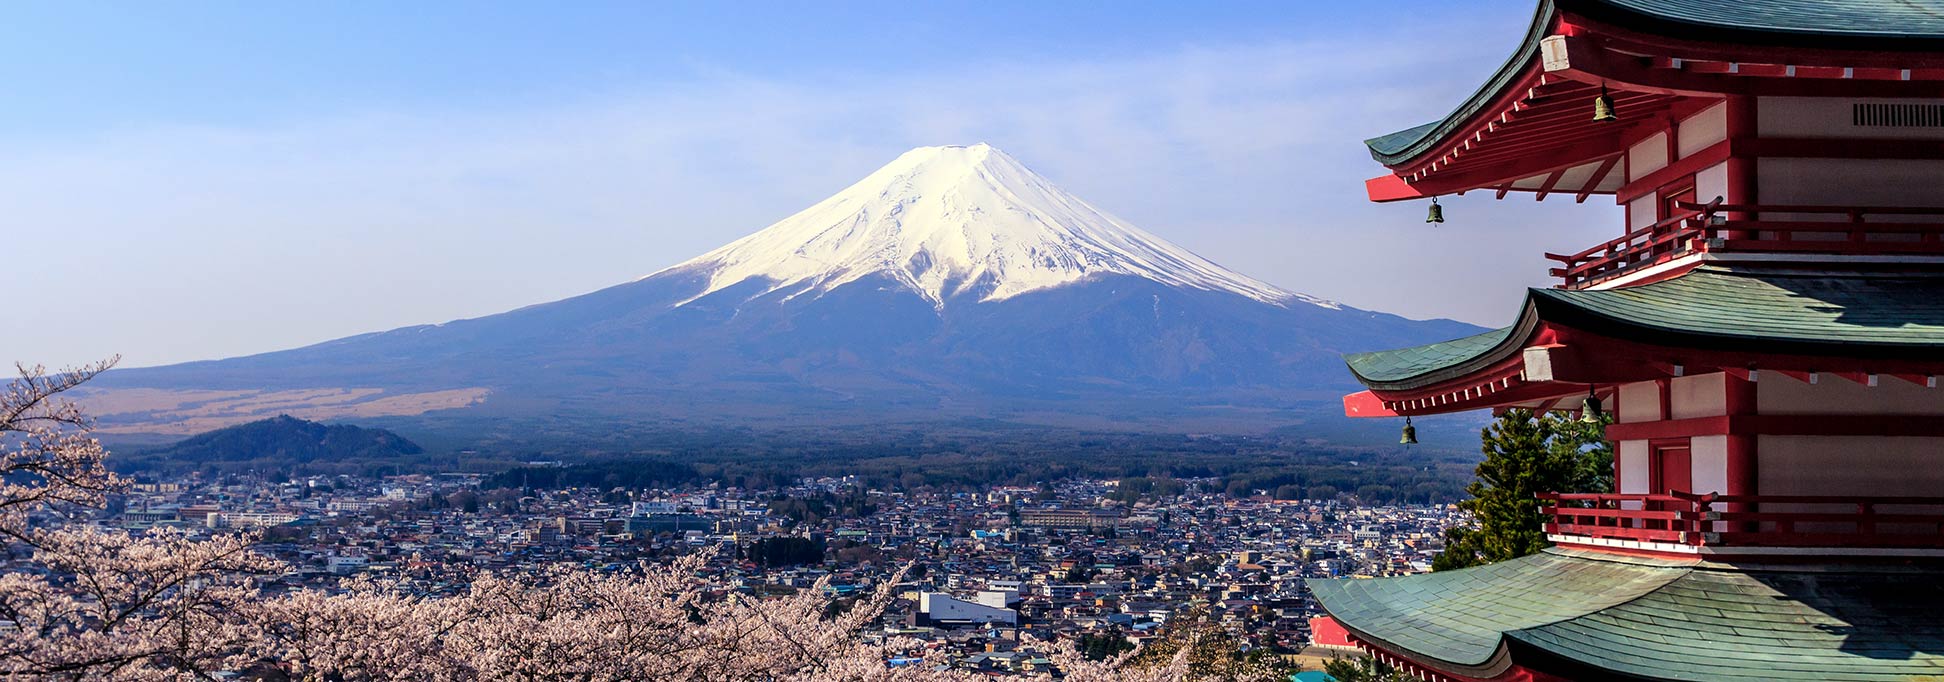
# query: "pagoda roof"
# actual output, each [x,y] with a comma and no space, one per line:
[1875,25]
[1851,314]
[1405,364]
[1585,614]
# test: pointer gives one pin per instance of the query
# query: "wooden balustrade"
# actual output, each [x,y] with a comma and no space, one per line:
[1720,227]
[1750,520]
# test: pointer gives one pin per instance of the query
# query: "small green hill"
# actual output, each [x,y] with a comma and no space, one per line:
[288,439]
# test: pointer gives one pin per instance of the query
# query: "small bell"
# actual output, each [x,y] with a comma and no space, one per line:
[1410,433]
[1437,212]
[1603,108]
[1590,412]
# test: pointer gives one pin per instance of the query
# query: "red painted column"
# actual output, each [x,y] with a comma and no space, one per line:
[1743,466]
[1742,181]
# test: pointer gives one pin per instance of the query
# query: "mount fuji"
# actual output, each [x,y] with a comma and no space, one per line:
[953,284]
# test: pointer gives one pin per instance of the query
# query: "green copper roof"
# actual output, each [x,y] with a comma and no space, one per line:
[1849,314]
[1874,25]
[1882,19]
[1806,311]
[1404,363]
[1595,615]
[1460,617]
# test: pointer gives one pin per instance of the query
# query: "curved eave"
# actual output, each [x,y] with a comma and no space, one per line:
[1894,318]
[1515,338]
[1822,314]
[1458,622]
[1857,25]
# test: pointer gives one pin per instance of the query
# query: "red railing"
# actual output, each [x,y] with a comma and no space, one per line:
[1621,516]
[1750,520]
[1719,227]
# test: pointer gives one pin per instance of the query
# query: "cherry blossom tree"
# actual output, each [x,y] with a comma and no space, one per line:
[94,603]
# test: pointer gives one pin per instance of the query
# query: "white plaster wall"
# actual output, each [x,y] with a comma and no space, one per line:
[1850,182]
[1861,466]
[1631,460]
[1710,454]
[1850,465]
[1830,117]
[1702,130]
[1779,394]
[1639,402]
[1712,182]
[1702,395]
[1647,156]
[1642,212]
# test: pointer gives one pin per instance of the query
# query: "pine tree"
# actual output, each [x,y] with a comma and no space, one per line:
[1525,454]
[1364,669]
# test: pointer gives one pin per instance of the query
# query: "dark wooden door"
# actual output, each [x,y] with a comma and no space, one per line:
[1673,469]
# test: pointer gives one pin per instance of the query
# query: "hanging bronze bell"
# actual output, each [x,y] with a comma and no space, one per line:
[1437,212]
[1410,433]
[1590,412]
[1603,107]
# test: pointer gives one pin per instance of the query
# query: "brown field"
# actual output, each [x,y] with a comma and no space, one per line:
[186,412]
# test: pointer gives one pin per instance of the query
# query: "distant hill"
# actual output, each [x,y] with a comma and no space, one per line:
[287,439]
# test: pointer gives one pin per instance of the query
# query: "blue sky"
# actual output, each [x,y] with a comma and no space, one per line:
[202,180]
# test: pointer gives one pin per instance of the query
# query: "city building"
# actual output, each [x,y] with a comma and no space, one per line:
[1767,328]
[939,609]
[346,564]
[249,519]
[1068,518]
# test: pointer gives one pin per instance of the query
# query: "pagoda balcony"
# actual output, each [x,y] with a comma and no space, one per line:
[1721,228]
[1747,524]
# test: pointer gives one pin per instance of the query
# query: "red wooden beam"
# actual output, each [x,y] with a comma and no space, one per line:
[1780,425]
[1366,404]
[1390,188]
[1841,149]
[1683,167]
[1512,170]
[1818,72]
[1583,59]
[1511,142]
[1674,428]
[1599,176]
[1551,182]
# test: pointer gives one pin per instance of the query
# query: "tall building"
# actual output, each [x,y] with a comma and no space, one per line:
[1767,328]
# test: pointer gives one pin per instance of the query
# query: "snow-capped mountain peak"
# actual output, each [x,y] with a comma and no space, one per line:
[956,220]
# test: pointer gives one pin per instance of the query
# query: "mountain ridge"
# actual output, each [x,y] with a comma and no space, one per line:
[949,220]
[1028,304]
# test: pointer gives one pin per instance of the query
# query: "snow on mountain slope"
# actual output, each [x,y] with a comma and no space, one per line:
[957,220]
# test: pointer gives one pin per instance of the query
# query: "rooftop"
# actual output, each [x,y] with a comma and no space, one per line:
[1656,619]
[1838,313]
[1875,25]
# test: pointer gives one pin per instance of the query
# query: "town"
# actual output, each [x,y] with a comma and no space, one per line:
[1103,562]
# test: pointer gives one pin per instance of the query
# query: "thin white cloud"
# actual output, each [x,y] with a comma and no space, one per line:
[174,243]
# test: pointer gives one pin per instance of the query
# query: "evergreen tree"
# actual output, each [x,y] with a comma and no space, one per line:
[1364,669]
[1525,454]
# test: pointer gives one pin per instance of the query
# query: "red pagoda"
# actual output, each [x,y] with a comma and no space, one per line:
[1767,329]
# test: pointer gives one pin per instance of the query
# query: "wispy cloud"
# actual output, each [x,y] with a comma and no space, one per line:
[185,242]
